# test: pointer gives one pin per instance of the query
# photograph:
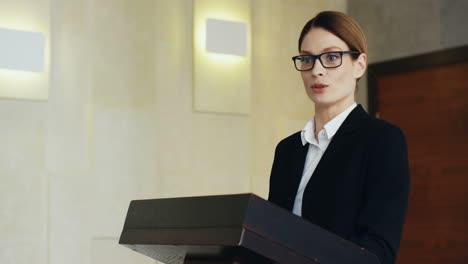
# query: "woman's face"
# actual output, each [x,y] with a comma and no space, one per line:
[332,86]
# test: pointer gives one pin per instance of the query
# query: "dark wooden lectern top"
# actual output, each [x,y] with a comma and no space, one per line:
[240,228]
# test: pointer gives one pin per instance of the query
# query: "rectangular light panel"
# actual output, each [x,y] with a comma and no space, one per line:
[222,57]
[22,50]
[226,37]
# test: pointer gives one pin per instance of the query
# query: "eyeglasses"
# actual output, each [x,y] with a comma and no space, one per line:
[328,60]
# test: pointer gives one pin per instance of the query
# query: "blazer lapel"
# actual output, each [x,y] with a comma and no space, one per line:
[297,157]
[298,165]
[320,196]
[348,134]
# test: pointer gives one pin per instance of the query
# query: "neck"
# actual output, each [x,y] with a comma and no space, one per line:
[325,113]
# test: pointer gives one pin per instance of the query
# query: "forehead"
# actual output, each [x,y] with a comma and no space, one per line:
[319,40]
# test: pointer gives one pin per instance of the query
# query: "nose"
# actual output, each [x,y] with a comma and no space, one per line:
[318,69]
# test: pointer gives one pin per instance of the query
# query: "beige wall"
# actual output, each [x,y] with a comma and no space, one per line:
[23,179]
[119,124]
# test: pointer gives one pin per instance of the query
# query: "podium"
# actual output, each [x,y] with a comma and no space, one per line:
[241,228]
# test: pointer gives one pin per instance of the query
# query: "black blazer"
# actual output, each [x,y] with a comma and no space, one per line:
[360,187]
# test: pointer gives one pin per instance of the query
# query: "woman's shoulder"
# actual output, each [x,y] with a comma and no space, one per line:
[360,118]
[385,127]
[290,141]
[382,130]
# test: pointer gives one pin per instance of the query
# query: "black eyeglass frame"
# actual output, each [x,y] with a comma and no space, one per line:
[315,57]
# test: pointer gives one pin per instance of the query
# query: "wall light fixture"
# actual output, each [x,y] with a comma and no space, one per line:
[226,37]
[22,50]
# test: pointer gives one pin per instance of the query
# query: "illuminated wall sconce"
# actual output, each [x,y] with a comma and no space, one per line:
[222,56]
[226,37]
[22,50]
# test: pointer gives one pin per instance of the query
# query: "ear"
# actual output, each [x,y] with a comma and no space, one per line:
[360,65]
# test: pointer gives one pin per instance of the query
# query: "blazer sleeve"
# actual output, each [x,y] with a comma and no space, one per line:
[386,191]
[275,177]
[282,178]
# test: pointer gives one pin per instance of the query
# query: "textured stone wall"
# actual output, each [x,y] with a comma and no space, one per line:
[402,28]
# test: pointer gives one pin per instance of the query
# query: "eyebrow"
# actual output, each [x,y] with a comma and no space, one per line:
[332,48]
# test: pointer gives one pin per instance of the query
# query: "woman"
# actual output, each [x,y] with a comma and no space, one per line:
[345,171]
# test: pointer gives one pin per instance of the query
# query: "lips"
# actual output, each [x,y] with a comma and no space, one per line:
[318,87]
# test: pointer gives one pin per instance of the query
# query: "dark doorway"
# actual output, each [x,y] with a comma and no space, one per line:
[427,96]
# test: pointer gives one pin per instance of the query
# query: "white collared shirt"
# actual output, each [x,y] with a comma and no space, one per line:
[316,150]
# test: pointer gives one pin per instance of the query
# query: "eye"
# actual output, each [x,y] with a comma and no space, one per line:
[332,56]
[306,60]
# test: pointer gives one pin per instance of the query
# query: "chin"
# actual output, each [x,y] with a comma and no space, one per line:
[320,99]
[325,102]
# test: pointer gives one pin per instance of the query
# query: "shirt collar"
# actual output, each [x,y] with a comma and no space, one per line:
[307,134]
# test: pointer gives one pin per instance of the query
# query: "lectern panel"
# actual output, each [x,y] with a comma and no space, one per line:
[242,229]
